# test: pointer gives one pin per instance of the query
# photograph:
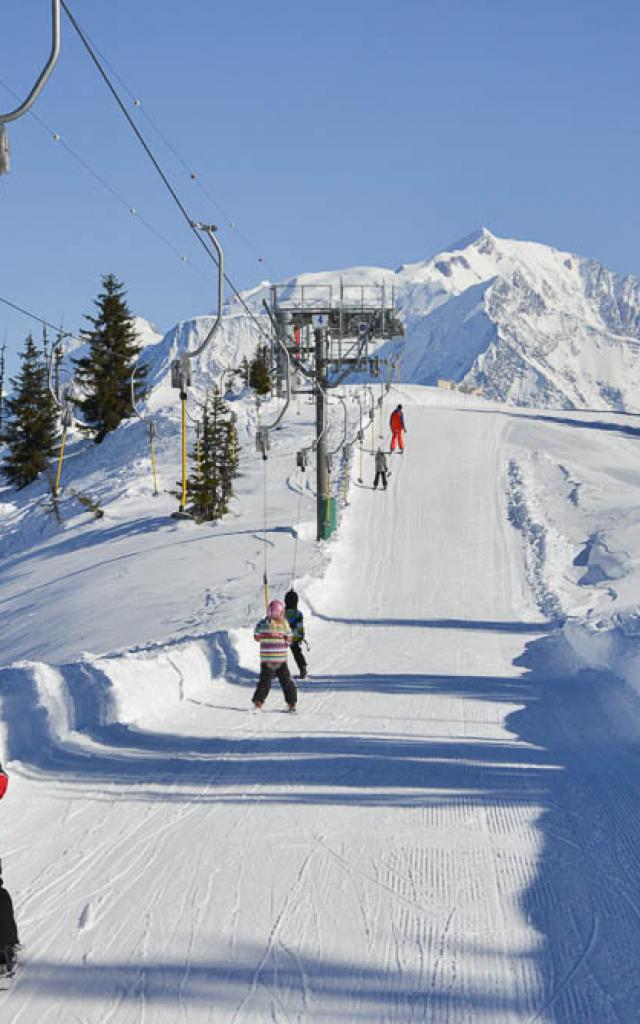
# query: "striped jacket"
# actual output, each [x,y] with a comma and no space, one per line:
[274,638]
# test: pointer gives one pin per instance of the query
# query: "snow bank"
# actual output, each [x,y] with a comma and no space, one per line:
[47,709]
[610,644]
[575,503]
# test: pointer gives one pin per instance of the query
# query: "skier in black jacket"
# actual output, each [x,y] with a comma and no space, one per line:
[9,940]
[295,619]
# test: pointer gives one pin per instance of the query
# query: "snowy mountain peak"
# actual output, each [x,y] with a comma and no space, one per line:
[523,321]
[479,236]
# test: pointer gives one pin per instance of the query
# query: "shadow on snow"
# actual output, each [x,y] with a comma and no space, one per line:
[575,757]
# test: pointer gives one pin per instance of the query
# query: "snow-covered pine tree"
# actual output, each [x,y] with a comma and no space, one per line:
[259,376]
[210,485]
[105,373]
[230,459]
[32,425]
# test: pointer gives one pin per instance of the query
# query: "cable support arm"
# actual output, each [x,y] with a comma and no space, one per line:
[318,387]
[26,105]
[287,363]
[210,230]
[358,432]
[54,395]
[372,410]
[133,389]
[66,408]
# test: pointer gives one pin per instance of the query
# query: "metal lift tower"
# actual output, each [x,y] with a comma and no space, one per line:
[328,330]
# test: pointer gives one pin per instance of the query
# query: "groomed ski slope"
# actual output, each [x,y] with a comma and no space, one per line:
[446,832]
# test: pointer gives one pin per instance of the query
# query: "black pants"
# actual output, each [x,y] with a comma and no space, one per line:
[300,660]
[7,959]
[381,473]
[267,672]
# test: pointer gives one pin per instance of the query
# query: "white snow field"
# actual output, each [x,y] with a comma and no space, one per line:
[448,830]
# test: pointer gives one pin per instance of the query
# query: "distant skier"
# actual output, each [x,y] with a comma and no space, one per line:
[9,940]
[274,636]
[396,422]
[381,470]
[295,619]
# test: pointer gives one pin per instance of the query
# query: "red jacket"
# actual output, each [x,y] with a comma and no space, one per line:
[397,421]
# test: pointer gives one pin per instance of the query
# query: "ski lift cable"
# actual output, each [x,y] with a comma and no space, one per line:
[39,319]
[140,107]
[26,105]
[334,451]
[209,230]
[297,536]
[88,47]
[149,422]
[132,210]
[265,574]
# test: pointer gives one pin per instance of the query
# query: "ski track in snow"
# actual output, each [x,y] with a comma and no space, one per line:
[447,831]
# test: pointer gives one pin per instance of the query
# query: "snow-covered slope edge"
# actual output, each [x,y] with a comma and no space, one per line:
[576,508]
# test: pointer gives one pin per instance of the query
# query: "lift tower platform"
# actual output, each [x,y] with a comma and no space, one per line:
[328,330]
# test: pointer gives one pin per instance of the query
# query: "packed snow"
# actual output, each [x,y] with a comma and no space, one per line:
[447,830]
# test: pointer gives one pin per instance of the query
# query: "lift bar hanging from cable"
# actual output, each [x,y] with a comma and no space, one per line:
[25,106]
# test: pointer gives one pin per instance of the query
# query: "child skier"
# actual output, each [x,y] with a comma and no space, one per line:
[295,619]
[381,469]
[396,422]
[274,636]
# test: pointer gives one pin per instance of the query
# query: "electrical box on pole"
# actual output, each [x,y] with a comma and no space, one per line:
[181,373]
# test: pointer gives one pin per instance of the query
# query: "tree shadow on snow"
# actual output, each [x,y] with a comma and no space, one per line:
[578,769]
[474,625]
[585,898]
[607,426]
[381,768]
[265,986]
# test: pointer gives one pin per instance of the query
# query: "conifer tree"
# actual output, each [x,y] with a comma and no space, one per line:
[259,376]
[210,485]
[105,373]
[31,430]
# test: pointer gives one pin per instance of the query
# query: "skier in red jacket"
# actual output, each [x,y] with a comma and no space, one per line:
[396,422]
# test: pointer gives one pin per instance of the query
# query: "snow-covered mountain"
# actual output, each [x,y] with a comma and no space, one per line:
[527,323]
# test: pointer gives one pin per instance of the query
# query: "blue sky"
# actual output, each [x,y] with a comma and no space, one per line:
[330,134]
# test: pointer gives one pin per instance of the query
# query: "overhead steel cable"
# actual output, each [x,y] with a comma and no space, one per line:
[41,320]
[141,139]
[193,176]
[59,140]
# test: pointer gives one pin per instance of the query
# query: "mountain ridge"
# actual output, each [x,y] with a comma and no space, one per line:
[526,323]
